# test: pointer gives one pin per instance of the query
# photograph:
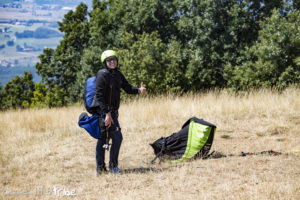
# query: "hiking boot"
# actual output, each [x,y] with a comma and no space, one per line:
[101,171]
[115,170]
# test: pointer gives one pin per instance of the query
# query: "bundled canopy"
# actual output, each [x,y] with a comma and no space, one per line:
[193,140]
[90,124]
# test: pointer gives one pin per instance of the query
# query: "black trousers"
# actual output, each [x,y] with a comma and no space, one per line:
[114,133]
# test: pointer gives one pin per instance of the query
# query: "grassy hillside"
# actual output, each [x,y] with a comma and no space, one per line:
[45,155]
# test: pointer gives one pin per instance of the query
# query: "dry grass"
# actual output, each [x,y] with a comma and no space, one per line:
[44,150]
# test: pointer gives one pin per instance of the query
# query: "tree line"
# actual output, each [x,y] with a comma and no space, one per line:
[172,46]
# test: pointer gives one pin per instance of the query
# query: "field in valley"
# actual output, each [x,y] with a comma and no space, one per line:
[45,155]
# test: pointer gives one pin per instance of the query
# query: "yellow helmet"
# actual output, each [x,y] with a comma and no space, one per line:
[108,53]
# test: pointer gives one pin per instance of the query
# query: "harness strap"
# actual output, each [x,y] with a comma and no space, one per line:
[270,152]
[161,151]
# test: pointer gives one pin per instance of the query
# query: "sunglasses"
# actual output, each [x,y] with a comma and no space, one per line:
[111,59]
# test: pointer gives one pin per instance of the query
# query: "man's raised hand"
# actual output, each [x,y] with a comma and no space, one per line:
[142,89]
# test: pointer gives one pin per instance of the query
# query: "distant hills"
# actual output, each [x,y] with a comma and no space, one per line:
[26,28]
[18,3]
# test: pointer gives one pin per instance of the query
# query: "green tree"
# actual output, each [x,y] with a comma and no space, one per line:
[60,68]
[145,17]
[129,26]
[18,92]
[148,59]
[48,97]
[175,68]
[56,96]
[47,67]
[274,59]
[175,45]
[39,96]
[90,63]
[101,26]
[110,20]
[296,4]
[215,34]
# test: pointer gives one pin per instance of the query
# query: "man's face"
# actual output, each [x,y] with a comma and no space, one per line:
[111,62]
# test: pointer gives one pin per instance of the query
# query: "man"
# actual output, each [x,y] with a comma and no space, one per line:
[109,81]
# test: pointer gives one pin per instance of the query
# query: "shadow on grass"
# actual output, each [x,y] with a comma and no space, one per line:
[143,170]
[213,155]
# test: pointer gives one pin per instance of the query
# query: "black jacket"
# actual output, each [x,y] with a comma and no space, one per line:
[108,85]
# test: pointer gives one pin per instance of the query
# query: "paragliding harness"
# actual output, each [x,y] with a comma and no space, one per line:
[89,95]
[91,123]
